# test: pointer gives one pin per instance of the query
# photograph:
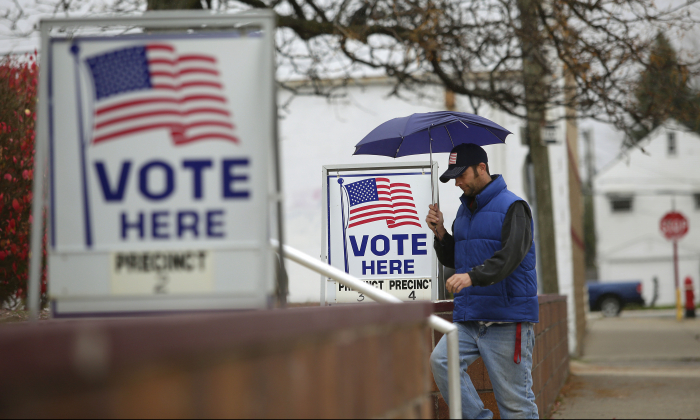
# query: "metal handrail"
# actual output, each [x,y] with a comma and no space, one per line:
[435,322]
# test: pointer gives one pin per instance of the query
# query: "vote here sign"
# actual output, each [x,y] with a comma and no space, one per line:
[376,229]
[160,150]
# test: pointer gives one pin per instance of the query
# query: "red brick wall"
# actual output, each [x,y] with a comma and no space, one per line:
[359,361]
[550,359]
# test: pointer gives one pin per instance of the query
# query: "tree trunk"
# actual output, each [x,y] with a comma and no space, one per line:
[534,82]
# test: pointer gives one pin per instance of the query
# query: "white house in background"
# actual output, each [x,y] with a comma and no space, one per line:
[315,132]
[631,197]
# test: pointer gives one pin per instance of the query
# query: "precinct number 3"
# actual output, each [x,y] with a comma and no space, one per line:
[406,290]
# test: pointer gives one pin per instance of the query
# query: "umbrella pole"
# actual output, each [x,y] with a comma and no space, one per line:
[436,200]
[432,187]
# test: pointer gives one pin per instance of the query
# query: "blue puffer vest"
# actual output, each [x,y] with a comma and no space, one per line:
[477,237]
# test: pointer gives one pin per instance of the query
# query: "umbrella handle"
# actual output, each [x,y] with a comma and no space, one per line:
[432,187]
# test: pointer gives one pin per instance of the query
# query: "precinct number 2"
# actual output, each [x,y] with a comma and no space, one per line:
[162,272]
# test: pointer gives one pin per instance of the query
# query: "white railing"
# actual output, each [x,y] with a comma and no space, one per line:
[435,322]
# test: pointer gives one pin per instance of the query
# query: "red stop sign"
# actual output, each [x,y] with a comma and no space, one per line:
[674,225]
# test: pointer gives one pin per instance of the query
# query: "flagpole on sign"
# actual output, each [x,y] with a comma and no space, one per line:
[75,50]
[342,213]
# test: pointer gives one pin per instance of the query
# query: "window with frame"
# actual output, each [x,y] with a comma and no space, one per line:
[671,146]
[621,203]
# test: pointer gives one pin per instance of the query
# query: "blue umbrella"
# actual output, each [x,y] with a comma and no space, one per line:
[431,132]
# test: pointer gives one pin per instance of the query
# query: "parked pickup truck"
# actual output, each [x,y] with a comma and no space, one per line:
[610,298]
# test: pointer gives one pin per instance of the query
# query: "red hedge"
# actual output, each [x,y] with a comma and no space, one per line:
[18,90]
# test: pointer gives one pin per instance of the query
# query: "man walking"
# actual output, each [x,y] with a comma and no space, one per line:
[495,286]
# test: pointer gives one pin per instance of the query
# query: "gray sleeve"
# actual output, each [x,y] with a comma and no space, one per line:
[516,240]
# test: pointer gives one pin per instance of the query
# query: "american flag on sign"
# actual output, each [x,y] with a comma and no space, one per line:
[375,199]
[151,87]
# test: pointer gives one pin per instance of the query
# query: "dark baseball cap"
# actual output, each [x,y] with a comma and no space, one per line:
[461,157]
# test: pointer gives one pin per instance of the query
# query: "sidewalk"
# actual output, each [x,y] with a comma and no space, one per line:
[644,364]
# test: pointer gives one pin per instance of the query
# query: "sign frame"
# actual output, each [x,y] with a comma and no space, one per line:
[327,294]
[181,22]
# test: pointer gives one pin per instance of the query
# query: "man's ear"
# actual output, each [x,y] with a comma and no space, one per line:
[482,168]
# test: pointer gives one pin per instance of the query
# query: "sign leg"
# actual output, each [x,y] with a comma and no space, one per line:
[679,308]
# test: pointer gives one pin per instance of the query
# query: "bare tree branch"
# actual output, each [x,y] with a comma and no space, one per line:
[471,47]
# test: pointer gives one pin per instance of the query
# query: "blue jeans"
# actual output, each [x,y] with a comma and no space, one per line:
[512,382]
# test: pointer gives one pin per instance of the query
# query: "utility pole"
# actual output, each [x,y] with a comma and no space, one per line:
[589,157]
[589,207]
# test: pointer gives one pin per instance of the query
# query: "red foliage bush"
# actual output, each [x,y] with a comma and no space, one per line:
[18,96]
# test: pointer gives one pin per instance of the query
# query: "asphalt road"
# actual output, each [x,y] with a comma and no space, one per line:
[644,364]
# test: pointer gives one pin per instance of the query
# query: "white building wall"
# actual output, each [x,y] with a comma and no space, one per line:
[315,132]
[630,244]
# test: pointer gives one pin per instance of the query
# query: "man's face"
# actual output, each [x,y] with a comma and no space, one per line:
[469,184]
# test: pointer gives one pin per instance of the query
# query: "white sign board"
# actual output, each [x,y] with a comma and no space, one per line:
[161,150]
[375,229]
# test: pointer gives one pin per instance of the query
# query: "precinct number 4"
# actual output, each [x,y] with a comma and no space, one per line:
[407,290]
[411,296]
